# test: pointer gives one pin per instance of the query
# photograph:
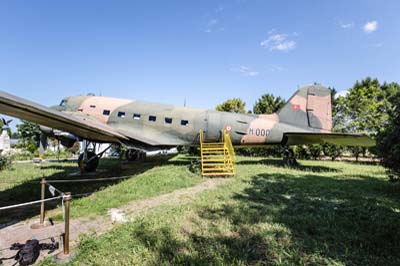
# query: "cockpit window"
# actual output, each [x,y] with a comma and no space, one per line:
[63,103]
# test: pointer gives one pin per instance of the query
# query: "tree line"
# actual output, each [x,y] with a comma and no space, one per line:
[368,107]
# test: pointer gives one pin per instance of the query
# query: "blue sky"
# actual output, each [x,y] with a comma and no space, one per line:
[204,51]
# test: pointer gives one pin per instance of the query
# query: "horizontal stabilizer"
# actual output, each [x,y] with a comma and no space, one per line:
[295,138]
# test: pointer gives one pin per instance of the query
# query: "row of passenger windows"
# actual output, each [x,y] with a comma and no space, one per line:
[152,118]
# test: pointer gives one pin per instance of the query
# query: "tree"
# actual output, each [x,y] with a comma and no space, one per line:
[15,135]
[302,152]
[315,150]
[234,105]
[268,104]
[30,135]
[388,139]
[333,151]
[365,107]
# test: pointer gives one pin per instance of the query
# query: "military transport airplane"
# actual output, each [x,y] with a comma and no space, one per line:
[147,127]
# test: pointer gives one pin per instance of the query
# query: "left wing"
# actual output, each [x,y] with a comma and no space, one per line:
[295,138]
[80,126]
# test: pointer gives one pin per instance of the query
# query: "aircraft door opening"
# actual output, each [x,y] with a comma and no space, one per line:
[214,126]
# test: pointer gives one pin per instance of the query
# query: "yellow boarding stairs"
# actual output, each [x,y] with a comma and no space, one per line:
[217,158]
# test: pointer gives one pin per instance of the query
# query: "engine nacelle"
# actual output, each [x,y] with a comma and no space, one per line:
[66,139]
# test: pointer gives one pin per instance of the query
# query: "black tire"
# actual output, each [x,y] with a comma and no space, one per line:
[134,155]
[131,155]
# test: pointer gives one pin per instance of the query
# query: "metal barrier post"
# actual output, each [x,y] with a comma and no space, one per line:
[42,194]
[41,223]
[67,198]
[66,255]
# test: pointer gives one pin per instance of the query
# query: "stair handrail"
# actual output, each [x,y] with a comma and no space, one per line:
[228,145]
[201,149]
[201,137]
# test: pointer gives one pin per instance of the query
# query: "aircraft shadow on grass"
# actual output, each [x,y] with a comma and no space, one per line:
[323,218]
[30,190]
[349,220]
[280,163]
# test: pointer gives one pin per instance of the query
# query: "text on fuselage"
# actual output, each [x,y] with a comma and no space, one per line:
[259,132]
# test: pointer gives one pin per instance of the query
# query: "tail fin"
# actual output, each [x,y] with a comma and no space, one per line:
[310,106]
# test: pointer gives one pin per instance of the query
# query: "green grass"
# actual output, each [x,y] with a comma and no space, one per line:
[322,213]
[147,179]
[326,213]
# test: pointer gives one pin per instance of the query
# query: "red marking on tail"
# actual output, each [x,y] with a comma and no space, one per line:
[296,106]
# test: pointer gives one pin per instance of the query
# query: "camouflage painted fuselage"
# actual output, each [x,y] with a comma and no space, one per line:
[308,110]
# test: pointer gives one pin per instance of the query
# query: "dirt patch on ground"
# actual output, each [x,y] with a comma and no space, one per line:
[20,232]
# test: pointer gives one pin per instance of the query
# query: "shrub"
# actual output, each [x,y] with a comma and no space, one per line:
[389,139]
[333,151]
[302,152]
[315,151]
[5,162]
[31,148]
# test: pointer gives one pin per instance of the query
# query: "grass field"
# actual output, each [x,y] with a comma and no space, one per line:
[322,213]
[20,184]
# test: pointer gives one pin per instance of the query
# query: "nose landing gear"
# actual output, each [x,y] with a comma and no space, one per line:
[88,161]
[88,164]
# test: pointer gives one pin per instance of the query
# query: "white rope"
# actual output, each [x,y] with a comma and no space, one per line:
[87,179]
[67,180]
[29,203]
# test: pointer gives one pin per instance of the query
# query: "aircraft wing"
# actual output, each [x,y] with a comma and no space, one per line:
[80,126]
[294,138]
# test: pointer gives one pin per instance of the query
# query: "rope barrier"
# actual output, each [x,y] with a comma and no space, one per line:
[68,180]
[39,201]
[88,179]
[29,203]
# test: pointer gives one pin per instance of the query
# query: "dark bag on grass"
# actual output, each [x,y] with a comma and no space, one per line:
[29,253]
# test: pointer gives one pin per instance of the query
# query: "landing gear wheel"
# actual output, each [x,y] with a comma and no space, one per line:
[89,165]
[131,155]
[289,158]
[134,155]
